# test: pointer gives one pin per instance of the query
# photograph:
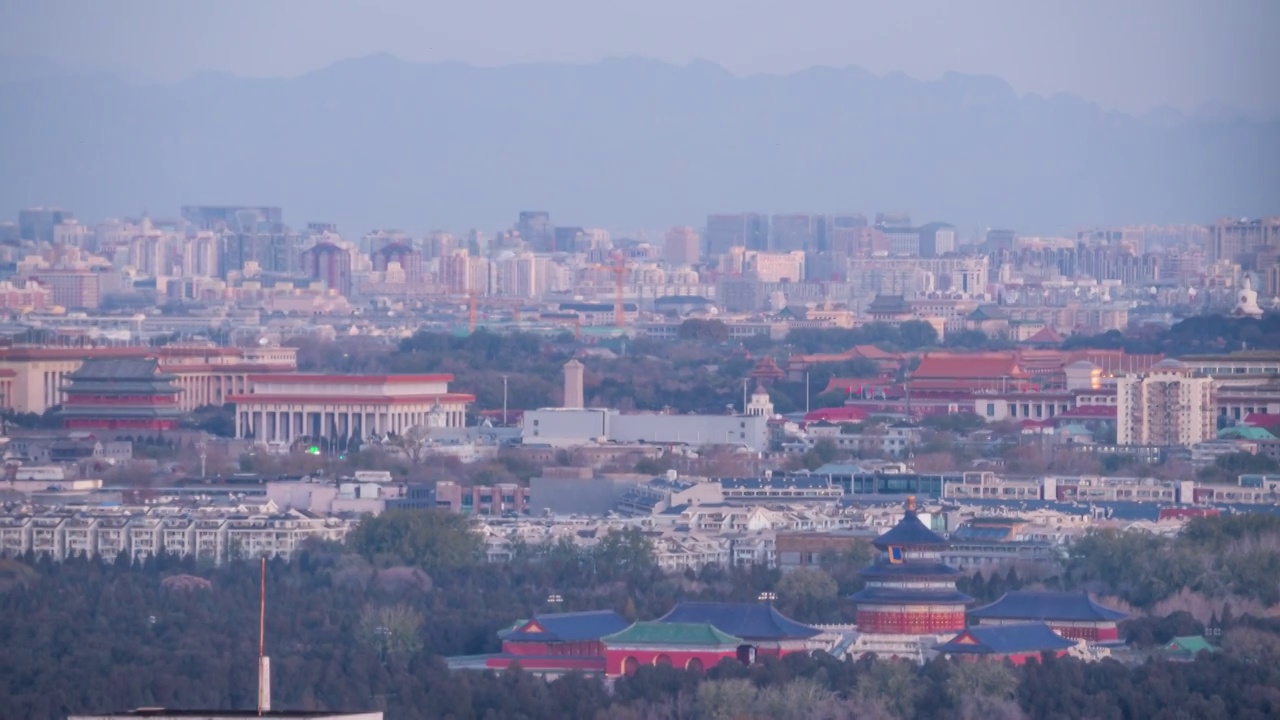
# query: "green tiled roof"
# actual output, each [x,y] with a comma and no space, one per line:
[1191,644]
[668,634]
[1245,432]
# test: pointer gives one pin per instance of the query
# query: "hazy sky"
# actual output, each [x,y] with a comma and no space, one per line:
[1132,55]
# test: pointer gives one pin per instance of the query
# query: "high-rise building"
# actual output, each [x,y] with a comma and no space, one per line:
[683,246]
[1135,238]
[748,230]
[535,228]
[797,231]
[1168,405]
[936,239]
[37,224]
[331,264]
[1240,240]
[409,259]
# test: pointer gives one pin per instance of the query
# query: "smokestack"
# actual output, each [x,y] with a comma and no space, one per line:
[573,397]
[264,662]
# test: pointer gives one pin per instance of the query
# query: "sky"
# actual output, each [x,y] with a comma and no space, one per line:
[1129,55]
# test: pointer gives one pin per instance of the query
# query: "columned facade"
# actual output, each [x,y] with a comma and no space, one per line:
[289,407]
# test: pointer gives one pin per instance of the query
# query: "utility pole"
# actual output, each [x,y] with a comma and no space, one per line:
[806,392]
[744,396]
[504,401]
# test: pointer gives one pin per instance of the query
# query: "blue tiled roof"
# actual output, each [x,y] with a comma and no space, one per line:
[908,569]
[750,621]
[570,627]
[1005,640]
[1029,605]
[899,595]
[909,532]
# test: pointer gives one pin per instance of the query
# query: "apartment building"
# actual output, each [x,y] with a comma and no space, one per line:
[1169,405]
[213,537]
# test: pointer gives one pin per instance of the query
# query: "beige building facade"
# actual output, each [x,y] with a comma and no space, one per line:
[32,379]
[284,408]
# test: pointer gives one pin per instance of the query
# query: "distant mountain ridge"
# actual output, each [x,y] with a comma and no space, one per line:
[380,142]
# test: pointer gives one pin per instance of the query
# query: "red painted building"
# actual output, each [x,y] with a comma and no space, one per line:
[759,625]
[690,637]
[909,590]
[1074,616]
[126,394]
[689,646]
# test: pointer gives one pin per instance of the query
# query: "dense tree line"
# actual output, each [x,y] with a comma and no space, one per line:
[367,625]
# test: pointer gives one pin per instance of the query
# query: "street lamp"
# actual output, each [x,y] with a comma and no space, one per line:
[767,596]
[554,599]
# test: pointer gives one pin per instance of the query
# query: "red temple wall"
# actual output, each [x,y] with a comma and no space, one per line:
[616,659]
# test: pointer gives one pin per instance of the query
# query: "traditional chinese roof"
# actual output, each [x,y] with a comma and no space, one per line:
[889,305]
[671,634]
[1005,640]
[1263,420]
[909,569]
[121,376]
[752,621]
[878,595]
[1046,336]
[1034,605]
[566,627]
[988,365]
[1188,645]
[909,532]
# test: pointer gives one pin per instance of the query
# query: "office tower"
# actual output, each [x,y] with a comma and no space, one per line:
[536,230]
[1168,405]
[792,232]
[748,230]
[37,224]
[438,244]
[682,246]
[937,239]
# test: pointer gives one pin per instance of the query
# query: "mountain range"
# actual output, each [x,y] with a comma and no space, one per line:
[378,142]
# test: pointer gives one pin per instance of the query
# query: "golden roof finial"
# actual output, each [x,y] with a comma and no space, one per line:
[911,503]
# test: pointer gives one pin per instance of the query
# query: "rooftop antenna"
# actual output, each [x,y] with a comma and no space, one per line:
[264,662]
